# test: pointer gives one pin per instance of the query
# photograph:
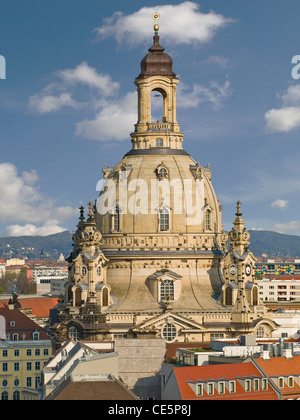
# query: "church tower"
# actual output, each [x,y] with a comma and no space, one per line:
[151,261]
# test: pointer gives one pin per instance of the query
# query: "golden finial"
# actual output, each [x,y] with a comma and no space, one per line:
[156,17]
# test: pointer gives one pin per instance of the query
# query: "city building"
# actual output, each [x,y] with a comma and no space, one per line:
[146,263]
[279,288]
[24,349]
[262,377]
[51,285]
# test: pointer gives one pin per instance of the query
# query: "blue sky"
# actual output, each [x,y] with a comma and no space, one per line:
[68,103]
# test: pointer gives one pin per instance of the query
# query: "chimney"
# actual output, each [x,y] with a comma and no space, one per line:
[265,355]
[287,353]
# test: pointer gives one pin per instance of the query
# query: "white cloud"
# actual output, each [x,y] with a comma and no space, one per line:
[89,76]
[180,24]
[49,228]
[44,103]
[114,122]
[287,118]
[218,60]
[280,204]
[292,227]
[59,94]
[22,202]
[213,94]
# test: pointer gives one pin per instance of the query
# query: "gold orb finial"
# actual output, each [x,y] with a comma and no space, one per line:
[156,17]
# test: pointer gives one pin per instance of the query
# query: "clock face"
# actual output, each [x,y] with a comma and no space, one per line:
[232,270]
[248,270]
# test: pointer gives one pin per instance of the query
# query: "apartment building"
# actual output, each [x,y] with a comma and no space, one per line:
[24,349]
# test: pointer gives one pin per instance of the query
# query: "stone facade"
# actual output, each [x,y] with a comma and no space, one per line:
[152,259]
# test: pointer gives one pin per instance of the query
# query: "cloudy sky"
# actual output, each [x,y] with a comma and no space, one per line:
[68,102]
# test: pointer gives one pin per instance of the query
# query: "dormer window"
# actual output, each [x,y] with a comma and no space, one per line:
[162,172]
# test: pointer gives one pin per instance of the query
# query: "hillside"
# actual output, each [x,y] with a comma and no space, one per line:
[262,242]
[32,246]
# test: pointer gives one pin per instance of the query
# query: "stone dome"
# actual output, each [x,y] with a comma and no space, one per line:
[157,62]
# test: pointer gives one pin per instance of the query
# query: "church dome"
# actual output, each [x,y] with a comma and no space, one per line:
[157,62]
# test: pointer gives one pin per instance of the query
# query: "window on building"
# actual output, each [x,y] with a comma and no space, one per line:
[164,220]
[46,352]
[256,385]
[16,366]
[280,382]
[83,271]
[36,336]
[210,389]
[199,390]
[167,289]
[221,387]
[29,382]
[159,142]
[4,383]
[169,332]
[28,352]
[116,220]
[4,353]
[247,385]
[260,332]
[4,367]
[228,296]
[37,365]
[232,386]
[208,219]
[37,352]
[74,333]
[4,396]
[16,395]
[264,384]
[162,173]
[291,381]
[28,365]
[15,337]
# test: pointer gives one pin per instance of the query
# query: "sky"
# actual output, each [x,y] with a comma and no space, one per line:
[68,103]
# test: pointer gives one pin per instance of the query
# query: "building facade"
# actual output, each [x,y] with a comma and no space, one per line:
[152,258]
[24,349]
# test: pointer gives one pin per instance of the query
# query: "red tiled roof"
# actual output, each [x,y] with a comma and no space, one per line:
[219,372]
[22,324]
[40,306]
[280,366]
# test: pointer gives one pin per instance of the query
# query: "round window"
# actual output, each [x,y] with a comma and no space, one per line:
[169,332]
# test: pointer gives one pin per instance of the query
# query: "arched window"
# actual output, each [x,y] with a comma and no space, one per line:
[255,296]
[162,173]
[228,296]
[78,297]
[105,296]
[169,332]
[167,289]
[159,142]
[16,395]
[164,220]
[208,219]
[4,396]
[260,332]
[36,336]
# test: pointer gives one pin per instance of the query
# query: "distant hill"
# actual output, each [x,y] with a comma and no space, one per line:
[262,242]
[274,244]
[32,246]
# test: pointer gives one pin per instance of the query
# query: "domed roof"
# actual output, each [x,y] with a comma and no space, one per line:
[157,62]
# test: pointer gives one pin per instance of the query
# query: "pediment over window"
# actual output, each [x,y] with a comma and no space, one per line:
[169,325]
